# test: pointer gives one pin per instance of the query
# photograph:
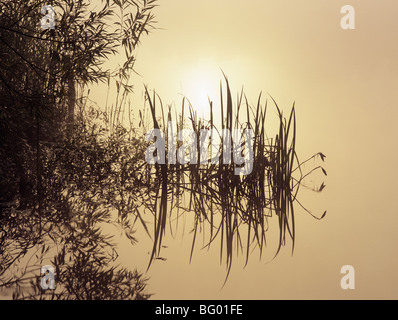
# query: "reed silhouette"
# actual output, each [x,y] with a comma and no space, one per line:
[236,208]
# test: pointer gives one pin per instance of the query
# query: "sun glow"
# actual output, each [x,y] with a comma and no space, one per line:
[200,84]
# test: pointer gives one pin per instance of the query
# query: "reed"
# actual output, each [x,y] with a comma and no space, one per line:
[235,208]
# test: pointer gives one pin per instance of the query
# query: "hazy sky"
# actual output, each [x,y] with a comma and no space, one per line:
[344,83]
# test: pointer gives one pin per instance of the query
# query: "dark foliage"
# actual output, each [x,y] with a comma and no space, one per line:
[59,175]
